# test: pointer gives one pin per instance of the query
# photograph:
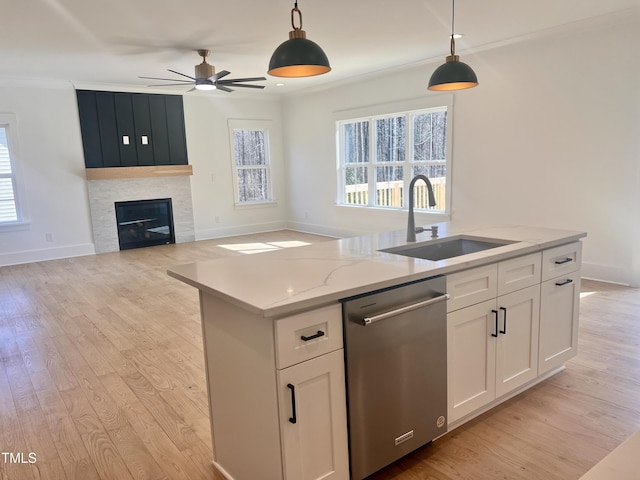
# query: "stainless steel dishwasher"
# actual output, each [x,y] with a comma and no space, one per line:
[396,366]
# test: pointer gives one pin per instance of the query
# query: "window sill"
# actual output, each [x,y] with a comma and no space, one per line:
[442,216]
[15,226]
[248,205]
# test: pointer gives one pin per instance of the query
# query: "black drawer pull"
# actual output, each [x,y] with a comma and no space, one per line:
[495,312]
[566,260]
[504,328]
[293,419]
[566,282]
[317,335]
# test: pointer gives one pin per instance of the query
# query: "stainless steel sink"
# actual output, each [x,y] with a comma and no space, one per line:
[447,247]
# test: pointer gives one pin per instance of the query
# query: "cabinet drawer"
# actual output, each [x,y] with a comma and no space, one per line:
[561,260]
[321,329]
[519,273]
[472,286]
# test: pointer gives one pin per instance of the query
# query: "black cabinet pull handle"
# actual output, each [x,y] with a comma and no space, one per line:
[293,419]
[495,312]
[566,260]
[311,337]
[566,282]
[504,328]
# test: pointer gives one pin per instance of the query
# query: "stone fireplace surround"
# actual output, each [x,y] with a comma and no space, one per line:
[104,193]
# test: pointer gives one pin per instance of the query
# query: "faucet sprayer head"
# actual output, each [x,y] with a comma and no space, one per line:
[432,198]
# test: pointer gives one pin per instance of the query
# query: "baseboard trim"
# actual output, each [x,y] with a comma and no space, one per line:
[233,231]
[606,273]
[323,230]
[222,471]
[40,255]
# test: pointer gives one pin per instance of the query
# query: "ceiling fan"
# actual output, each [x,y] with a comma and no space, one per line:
[206,78]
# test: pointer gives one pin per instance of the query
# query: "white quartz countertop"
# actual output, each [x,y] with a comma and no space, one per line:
[287,281]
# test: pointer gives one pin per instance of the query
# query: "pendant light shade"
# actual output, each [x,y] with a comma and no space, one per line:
[298,56]
[453,74]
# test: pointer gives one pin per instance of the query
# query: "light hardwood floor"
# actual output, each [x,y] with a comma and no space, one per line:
[102,377]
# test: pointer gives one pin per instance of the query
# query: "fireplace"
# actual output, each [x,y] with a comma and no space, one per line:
[144,223]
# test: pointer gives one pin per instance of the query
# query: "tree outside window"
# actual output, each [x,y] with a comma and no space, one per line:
[380,155]
[251,165]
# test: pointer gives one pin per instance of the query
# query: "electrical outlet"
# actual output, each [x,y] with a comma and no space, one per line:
[216,219]
[48,237]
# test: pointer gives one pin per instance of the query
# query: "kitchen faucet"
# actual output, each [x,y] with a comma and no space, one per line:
[411,225]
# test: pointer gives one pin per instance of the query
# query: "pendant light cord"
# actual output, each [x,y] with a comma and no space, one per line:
[453,17]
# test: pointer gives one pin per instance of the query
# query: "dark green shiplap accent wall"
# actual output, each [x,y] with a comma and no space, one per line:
[107,117]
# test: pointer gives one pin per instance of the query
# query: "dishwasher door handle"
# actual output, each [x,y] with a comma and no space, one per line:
[383,316]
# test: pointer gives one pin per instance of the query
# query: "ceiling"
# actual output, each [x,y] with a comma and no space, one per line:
[112,42]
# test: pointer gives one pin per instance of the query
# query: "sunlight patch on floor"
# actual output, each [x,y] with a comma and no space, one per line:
[586,294]
[259,247]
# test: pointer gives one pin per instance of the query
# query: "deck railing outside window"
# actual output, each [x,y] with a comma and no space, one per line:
[391,194]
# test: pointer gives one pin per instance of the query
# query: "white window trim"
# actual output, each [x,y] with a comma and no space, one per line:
[8,120]
[408,107]
[265,126]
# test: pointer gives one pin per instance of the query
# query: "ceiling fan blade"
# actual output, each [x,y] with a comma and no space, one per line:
[219,75]
[167,79]
[223,88]
[243,85]
[178,73]
[169,84]
[252,79]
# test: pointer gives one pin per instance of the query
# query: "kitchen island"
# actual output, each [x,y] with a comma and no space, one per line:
[272,332]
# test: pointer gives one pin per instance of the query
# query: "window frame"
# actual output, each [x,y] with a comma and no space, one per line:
[409,110]
[9,123]
[251,125]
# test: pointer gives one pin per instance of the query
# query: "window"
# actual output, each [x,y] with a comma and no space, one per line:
[251,162]
[379,155]
[9,206]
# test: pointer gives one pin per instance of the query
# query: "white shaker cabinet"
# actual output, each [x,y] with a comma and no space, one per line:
[313,419]
[492,345]
[492,349]
[311,395]
[250,362]
[559,306]
[517,341]
[471,359]
[540,295]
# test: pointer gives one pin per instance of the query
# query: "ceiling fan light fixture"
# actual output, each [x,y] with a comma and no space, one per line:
[206,78]
[298,56]
[453,74]
[205,86]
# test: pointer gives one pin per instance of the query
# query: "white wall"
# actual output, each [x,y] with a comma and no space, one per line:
[549,138]
[209,151]
[51,167]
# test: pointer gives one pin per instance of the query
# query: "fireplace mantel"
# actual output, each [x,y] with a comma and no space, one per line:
[138,172]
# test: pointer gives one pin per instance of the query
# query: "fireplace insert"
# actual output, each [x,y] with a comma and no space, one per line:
[144,223]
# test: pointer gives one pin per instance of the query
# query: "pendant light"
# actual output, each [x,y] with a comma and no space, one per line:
[298,56]
[453,74]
